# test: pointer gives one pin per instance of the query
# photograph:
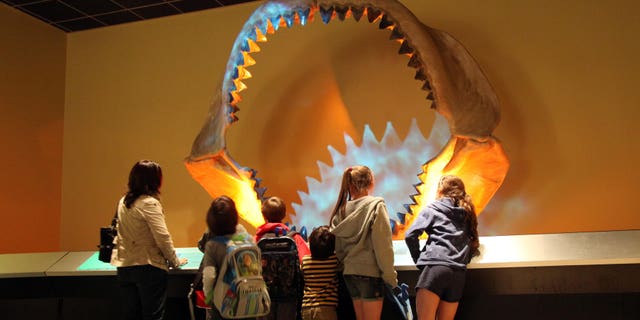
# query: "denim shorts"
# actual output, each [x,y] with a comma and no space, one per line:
[364,288]
[446,282]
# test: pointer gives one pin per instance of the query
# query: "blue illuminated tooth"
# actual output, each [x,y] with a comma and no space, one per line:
[260,192]
[252,34]
[303,232]
[236,74]
[368,135]
[275,22]
[303,197]
[230,98]
[392,223]
[348,141]
[390,136]
[335,154]
[303,14]
[244,46]
[232,86]
[312,182]
[262,25]
[325,14]
[401,216]
[288,19]
[325,170]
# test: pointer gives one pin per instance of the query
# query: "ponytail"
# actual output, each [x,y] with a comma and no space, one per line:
[343,196]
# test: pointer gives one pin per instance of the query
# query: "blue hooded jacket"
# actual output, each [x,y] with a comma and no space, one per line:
[448,242]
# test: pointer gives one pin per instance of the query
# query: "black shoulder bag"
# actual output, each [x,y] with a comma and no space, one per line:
[107,234]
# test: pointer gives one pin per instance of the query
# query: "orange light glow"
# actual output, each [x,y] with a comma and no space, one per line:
[214,175]
[253,46]
[260,37]
[243,73]
[482,165]
[248,60]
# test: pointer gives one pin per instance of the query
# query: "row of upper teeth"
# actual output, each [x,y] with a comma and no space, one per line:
[302,16]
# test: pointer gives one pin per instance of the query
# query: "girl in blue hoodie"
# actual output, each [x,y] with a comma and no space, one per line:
[452,228]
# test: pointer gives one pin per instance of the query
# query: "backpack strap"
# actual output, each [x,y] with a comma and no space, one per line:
[291,234]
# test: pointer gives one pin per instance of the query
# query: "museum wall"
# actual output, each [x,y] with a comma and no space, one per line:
[565,73]
[32,67]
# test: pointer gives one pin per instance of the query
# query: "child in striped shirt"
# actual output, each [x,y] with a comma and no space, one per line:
[320,277]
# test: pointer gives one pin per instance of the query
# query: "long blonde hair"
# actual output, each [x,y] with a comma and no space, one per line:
[354,179]
[451,186]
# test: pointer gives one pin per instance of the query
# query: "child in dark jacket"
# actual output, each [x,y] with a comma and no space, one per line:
[274,211]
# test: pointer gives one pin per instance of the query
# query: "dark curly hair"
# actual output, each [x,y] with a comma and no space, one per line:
[322,243]
[222,216]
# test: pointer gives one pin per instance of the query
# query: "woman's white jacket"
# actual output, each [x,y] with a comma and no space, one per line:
[143,237]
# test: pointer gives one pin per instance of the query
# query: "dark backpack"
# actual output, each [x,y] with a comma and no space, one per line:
[281,266]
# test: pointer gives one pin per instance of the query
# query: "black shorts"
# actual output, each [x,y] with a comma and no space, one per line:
[446,282]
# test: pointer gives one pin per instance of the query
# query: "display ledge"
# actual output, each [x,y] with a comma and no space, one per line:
[546,250]
[26,265]
[517,251]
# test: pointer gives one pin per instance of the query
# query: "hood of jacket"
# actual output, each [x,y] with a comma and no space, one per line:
[358,222]
[447,207]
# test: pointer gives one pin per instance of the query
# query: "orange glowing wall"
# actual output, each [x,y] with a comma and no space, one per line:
[141,90]
[32,69]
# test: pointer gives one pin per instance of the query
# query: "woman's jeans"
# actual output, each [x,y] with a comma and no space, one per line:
[143,290]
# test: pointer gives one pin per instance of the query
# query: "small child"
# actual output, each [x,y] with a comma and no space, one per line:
[320,277]
[274,211]
[222,220]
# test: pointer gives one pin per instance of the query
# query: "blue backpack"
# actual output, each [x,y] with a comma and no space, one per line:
[240,291]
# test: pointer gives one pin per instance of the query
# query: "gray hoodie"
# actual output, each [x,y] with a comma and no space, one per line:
[448,242]
[363,239]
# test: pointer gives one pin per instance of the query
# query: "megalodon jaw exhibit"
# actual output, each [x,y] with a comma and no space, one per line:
[454,85]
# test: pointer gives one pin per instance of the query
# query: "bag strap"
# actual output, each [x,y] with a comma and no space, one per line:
[114,221]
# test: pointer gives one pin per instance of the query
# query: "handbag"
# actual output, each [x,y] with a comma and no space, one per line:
[107,234]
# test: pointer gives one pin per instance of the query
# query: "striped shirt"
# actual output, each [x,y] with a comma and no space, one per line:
[320,282]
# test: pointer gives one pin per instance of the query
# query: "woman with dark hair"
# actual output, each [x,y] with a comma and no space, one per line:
[452,227]
[362,228]
[143,249]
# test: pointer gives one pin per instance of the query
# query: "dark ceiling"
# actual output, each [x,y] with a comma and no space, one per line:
[76,15]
